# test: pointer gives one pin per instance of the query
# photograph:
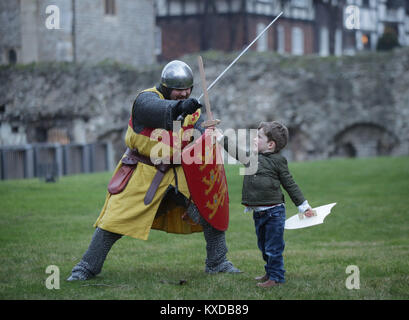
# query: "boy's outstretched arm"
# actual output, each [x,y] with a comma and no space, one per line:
[230,145]
[294,191]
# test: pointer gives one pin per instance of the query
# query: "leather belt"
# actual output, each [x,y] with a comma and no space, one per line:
[132,156]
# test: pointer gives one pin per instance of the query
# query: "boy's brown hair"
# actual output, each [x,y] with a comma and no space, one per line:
[277,132]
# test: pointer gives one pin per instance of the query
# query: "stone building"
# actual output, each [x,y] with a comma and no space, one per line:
[77,31]
[83,31]
[324,27]
[138,32]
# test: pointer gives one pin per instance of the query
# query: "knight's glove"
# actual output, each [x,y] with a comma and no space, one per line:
[188,106]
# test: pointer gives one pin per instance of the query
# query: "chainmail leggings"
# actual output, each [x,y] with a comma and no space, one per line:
[102,242]
[94,258]
[216,249]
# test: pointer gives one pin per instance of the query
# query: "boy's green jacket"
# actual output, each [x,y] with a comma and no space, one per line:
[263,187]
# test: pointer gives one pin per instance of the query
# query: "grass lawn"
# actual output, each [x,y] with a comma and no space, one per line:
[44,224]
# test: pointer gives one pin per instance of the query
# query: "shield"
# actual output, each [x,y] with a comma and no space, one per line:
[296,223]
[204,171]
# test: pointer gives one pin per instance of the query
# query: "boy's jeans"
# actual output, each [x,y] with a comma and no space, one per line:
[270,240]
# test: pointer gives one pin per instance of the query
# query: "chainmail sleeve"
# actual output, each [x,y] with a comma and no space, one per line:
[150,111]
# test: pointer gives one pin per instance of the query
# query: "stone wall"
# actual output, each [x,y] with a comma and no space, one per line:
[331,105]
[349,106]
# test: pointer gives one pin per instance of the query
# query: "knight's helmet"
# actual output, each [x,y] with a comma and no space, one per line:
[177,75]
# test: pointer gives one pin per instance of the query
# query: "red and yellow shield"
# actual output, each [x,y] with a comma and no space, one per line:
[202,164]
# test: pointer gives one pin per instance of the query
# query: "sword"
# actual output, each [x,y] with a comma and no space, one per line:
[241,53]
[210,121]
[181,117]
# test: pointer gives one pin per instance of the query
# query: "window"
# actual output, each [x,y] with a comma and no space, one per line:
[280,39]
[12,56]
[300,3]
[392,4]
[110,8]
[297,41]
[338,42]
[158,40]
[324,42]
[262,43]
[40,134]
[366,41]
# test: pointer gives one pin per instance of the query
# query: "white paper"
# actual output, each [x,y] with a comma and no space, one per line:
[296,223]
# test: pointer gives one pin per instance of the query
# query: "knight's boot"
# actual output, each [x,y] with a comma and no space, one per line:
[216,249]
[94,258]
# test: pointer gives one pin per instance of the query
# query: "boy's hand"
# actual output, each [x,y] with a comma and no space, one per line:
[218,134]
[309,213]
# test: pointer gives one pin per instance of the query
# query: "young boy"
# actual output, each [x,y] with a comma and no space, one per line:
[262,195]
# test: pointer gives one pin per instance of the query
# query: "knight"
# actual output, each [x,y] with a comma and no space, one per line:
[145,194]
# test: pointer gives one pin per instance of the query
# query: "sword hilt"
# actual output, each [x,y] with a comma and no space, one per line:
[181,117]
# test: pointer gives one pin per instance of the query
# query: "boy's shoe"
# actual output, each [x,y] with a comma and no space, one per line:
[262,278]
[267,284]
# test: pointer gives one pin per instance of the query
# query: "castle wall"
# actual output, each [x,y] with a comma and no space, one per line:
[334,107]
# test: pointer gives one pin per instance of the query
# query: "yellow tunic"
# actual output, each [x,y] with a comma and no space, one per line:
[125,213]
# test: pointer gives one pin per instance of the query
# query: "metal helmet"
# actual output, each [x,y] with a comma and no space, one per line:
[177,75]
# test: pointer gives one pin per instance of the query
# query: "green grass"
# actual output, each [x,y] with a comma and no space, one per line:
[44,224]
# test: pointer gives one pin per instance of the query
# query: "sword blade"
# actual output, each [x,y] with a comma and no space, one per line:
[241,53]
[203,82]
